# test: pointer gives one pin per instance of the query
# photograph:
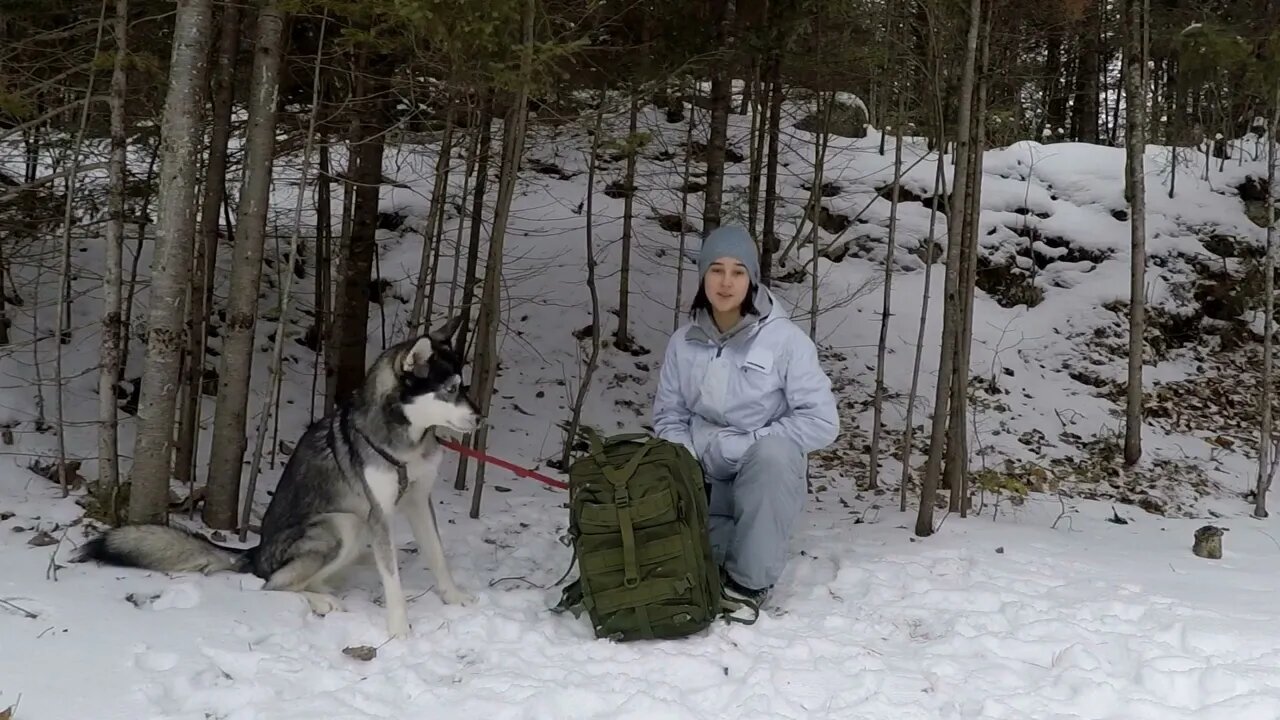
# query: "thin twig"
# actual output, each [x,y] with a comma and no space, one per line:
[51,572]
[1065,512]
[1264,532]
[20,610]
[521,578]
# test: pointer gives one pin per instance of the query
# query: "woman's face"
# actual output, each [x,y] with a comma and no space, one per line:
[726,284]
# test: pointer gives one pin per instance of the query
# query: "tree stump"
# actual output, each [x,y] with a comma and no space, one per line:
[1208,542]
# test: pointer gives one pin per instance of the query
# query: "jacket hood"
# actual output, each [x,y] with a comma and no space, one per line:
[769,307]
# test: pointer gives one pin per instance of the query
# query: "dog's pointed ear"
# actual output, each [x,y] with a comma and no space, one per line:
[417,356]
[444,333]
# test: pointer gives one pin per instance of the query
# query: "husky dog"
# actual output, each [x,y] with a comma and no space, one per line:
[351,470]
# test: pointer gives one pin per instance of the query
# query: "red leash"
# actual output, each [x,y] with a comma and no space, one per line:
[515,469]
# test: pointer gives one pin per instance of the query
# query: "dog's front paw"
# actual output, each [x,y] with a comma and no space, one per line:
[454,596]
[322,603]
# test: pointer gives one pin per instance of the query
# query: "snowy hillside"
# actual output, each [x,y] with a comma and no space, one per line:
[1087,618]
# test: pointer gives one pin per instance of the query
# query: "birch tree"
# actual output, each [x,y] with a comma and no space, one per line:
[205,259]
[229,439]
[170,267]
[113,280]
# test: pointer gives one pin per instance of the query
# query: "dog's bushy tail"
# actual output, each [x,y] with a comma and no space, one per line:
[164,549]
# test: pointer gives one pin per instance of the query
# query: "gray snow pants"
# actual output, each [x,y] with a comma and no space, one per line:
[753,514]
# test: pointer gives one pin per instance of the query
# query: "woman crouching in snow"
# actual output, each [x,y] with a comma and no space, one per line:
[741,387]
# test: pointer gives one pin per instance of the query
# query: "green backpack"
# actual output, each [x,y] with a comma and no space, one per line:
[638,527]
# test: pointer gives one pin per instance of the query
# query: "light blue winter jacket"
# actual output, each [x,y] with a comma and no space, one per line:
[719,393]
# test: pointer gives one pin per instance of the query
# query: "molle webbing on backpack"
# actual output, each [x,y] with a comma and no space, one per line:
[638,526]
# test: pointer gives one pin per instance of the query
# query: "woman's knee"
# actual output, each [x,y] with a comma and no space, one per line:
[777,451]
[773,468]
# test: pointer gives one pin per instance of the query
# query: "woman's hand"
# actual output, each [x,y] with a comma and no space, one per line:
[724,455]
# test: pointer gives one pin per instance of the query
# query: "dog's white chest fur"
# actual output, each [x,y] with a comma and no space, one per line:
[424,469]
[384,484]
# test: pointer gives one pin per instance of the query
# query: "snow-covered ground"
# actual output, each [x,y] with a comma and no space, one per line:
[1004,619]
[996,616]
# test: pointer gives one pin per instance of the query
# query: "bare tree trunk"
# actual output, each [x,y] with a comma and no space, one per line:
[685,177]
[957,467]
[622,339]
[1055,100]
[180,132]
[357,267]
[4,313]
[490,310]
[1265,442]
[713,193]
[113,278]
[1085,124]
[41,422]
[205,261]
[717,138]
[908,435]
[417,319]
[1114,130]
[140,234]
[485,153]
[277,356]
[770,243]
[596,326]
[1135,147]
[956,453]
[337,269]
[881,347]
[323,327]
[934,57]
[226,454]
[825,103]
[437,237]
[467,173]
[64,293]
[473,251]
[953,301]
[886,72]
[755,146]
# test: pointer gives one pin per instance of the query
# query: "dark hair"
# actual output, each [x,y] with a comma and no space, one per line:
[702,302]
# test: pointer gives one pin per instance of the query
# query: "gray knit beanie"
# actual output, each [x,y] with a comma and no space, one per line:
[730,241]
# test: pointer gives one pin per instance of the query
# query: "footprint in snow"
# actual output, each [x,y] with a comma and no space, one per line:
[183,596]
[154,660]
